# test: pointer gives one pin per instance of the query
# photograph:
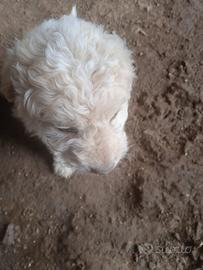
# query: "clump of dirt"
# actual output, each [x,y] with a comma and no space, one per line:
[147,214]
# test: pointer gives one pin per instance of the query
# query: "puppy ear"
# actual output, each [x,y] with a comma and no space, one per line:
[120,118]
[32,104]
[74,11]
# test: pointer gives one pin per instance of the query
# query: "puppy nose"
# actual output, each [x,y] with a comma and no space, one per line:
[93,170]
[98,171]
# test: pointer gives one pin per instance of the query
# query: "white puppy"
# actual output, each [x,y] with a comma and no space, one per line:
[71,86]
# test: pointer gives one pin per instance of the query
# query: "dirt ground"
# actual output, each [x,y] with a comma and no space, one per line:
[146,214]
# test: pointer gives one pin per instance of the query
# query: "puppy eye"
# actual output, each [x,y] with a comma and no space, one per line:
[112,118]
[69,130]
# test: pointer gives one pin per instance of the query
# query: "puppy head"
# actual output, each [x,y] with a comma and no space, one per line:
[100,146]
[98,150]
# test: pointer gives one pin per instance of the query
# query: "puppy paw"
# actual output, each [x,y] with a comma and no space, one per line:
[62,169]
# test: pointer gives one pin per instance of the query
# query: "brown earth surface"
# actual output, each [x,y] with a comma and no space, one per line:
[146,214]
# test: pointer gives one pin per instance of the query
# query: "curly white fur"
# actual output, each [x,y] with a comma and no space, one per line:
[72,82]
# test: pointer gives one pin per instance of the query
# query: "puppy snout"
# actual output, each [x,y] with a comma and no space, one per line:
[93,170]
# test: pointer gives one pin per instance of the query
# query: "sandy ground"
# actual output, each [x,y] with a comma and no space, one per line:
[147,214]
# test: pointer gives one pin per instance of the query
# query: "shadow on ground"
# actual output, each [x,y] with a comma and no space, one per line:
[12,131]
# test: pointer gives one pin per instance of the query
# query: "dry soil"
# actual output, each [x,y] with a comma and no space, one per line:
[146,214]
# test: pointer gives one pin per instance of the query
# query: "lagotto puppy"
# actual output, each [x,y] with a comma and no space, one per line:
[70,82]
